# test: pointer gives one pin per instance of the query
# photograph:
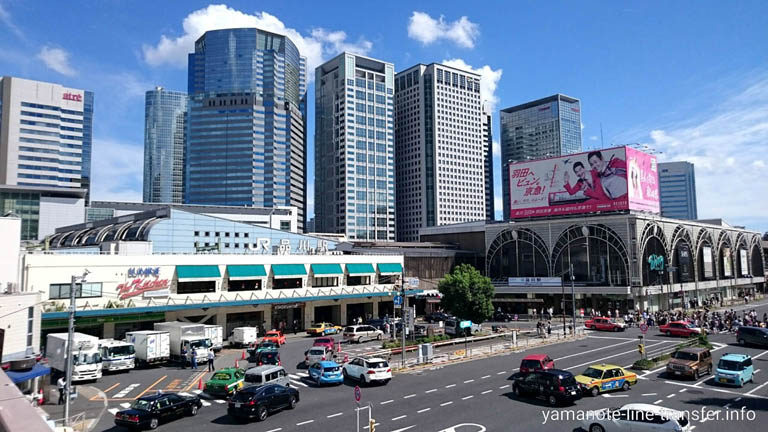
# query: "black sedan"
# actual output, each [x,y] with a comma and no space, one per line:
[553,385]
[259,401]
[150,411]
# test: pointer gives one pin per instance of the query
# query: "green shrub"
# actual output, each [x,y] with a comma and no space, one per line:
[643,364]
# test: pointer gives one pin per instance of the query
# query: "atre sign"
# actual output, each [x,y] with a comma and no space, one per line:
[72,97]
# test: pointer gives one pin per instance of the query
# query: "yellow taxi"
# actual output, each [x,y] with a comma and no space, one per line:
[604,377]
[323,329]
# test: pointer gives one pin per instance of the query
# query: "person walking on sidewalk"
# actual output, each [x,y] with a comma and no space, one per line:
[211,357]
[194,359]
[61,384]
[184,358]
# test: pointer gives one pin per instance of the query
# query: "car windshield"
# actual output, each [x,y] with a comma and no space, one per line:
[692,326]
[273,334]
[530,364]
[322,340]
[140,404]
[268,355]
[331,369]
[267,345]
[200,343]
[122,350]
[252,378]
[593,373]
[84,358]
[378,365]
[317,351]
[221,376]
[730,365]
[349,329]
[243,396]
[568,380]
[682,355]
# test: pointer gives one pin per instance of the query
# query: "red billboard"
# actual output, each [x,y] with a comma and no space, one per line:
[607,180]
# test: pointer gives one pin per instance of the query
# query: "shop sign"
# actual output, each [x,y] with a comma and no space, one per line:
[534,281]
[143,271]
[146,281]
[656,262]
[303,247]
[72,97]
[287,306]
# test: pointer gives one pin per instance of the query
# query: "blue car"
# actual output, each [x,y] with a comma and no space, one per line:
[326,372]
[734,369]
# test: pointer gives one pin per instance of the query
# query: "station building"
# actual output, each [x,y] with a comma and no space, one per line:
[626,261]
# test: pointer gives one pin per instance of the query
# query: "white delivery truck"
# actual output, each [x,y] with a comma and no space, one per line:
[216,334]
[151,346]
[189,336]
[85,355]
[116,355]
[244,336]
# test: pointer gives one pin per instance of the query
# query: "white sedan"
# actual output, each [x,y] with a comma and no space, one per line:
[636,417]
[367,371]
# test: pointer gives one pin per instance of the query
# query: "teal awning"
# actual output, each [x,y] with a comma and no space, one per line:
[246,271]
[198,272]
[390,268]
[289,270]
[355,269]
[326,269]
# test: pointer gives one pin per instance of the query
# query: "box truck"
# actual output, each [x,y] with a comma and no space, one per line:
[189,336]
[216,334]
[244,336]
[116,355]
[151,347]
[86,359]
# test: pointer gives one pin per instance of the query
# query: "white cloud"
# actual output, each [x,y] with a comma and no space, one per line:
[496,148]
[489,80]
[320,45]
[425,29]
[5,18]
[723,146]
[593,138]
[117,172]
[56,59]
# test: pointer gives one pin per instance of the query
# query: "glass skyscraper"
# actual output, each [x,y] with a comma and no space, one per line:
[355,148]
[539,129]
[165,135]
[677,187]
[246,139]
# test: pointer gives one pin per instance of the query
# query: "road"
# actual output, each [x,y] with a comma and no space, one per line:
[474,392]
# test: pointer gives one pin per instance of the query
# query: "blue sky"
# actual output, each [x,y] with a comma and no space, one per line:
[688,78]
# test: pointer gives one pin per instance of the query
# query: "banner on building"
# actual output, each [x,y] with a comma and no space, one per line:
[727,265]
[706,252]
[744,262]
[684,267]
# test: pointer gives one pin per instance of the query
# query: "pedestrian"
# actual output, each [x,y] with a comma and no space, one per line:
[295,326]
[211,357]
[549,329]
[184,357]
[61,384]
[194,358]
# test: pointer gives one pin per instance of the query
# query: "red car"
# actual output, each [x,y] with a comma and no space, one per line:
[604,324]
[680,328]
[535,362]
[275,336]
[326,342]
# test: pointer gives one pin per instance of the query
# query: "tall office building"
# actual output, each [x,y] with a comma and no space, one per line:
[677,186]
[355,148]
[441,160]
[246,139]
[46,133]
[165,136]
[536,130]
[490,210]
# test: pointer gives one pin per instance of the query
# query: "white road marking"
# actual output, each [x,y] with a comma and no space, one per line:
[205,403]
[400,417]
[405,428]
[304,422]
[468,381]
[727,405]
[467,397]
[334,415]
[299,383]
[614,396]
[386,402]
[737,399]
[197,391]
[375,424]
[219,401]
[683,391]
[484,377]
[125,405]
[423,410]
[756,388]
[671,396]
[275,430]
[486,392]
[615,355]
[409,396]
[113,411]
[126,390]
[501,373]
[658,401]
[446,403]
[450,385]
[504,386]
[184,394]
[430,391]
[648,394]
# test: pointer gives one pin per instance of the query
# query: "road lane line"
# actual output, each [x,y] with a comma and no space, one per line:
[150,387]
[468,381]
[219,401]
[737,399]
[670,396]
[615,355]
[756,388]
[124,392]
[450,385]
[112,387]
[423,410]
[334,415]
[503,387]
[658,401]
[484,377]
[467,397]
[409,396]
[197,378]
[728,405]
[205,403]
[304,422]
[501,373]
[125,405]
[374,425]
[386,402]
[486,392]
[275,430]
[113,411]
[648,394]
[400,417]
[446,403]
[683,391]
[430,391]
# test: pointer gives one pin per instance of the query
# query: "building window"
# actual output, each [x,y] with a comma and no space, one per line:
[197,233]
[319,282]
[87,290]
[196,287]
[358,280]
[30,325]
[245,235]
[226,234]
[245,285]
[207,233]
[290,283]
[285,225]
[217,234]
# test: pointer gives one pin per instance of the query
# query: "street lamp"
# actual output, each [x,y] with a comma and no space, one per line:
[70,337]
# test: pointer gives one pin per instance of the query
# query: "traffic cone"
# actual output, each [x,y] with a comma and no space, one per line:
[200,384]
[42,397]
[243,356]
[346,357]
[237,365]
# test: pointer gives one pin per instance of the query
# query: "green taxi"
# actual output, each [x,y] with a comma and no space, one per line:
[224,382]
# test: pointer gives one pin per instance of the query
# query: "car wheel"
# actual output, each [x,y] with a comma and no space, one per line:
[696,374]
[625,386]
[292,402]
[552,400]
[154,423]
[616,329]
[378,336]
[362,379]
[596,428]
[709,370]
[742,342]
[594,391]
[359,340]
[344,373]
[516,390]
[193,410]
[668,333]
[262,413]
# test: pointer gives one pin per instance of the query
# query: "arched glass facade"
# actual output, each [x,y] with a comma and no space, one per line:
[597,253]
[518,253]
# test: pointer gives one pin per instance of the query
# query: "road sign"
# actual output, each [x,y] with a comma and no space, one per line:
[644,328]
[412,282]
[398,301]
[358,394]
[465,324]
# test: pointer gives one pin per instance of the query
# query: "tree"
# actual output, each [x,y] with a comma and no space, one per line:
[467,294]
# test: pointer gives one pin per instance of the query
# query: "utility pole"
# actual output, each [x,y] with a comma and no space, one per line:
[70,337]
[573,300]
[562,303]
[403,309]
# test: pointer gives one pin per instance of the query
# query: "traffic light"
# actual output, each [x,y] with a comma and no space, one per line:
[641,349]
[372,425]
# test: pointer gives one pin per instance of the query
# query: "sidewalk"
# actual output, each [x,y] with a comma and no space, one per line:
[91,411]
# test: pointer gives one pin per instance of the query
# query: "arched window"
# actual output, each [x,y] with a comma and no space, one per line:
[705,256]
[517,253]
[597,253]
[758,267]
[725,256]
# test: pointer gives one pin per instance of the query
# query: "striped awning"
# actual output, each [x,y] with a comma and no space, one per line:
[198,272]
[244,272]
[326,269]
[288,270]
[360,269]
[390,268]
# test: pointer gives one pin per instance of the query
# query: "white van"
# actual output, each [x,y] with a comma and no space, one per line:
[267,374]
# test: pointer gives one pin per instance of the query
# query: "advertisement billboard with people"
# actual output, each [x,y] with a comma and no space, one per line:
[605,180]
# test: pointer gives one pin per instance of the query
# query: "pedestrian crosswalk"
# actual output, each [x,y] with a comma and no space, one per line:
[124,392]
[113,411]
[297,378]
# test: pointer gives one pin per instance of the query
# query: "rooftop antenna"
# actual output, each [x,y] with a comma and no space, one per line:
[602,143]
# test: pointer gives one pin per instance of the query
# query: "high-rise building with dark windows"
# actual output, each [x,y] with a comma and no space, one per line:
[246,140]
[677,189]
[165,136]
[535,130]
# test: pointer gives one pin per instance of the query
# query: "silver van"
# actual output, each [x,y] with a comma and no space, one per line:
[360,333]
[267,374]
